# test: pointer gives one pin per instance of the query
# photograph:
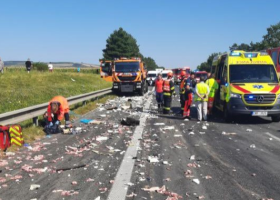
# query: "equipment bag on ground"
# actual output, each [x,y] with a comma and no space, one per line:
[15,132]
[4,138]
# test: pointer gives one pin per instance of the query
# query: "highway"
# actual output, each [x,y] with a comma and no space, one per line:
[165,157]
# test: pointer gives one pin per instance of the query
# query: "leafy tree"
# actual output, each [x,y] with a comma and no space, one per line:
[150,63]
[120,44]
[272,38]
[258,46]
[206,66]
[242,46]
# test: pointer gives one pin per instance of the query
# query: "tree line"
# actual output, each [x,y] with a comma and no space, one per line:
[122,44]
[270,40]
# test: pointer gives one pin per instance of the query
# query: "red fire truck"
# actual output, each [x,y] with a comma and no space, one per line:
[199,74]
[275,55]
[177,72]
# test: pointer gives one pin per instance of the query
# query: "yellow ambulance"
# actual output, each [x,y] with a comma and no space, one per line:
[248,85]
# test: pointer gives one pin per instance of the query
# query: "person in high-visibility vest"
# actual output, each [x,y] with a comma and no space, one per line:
[213,86]
[159,91]
[168,90]
[183,75]
[202,92]
[58,108]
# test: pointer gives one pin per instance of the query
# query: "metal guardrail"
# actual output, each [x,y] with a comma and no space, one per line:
[33,112]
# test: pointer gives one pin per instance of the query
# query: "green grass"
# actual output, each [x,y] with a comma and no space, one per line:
[20,90]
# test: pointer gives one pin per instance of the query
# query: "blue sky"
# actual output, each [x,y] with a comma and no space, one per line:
[175,33]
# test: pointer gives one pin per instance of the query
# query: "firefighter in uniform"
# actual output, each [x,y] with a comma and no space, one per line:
[189,89]
[168,90]
[188,100]
[182,90]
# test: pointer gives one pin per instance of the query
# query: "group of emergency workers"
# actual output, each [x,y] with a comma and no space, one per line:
[164,91]
[202,93]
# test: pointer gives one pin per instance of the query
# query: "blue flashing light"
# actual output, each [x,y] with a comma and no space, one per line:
[251,55]
[235,54]
[226,84]
[251,97]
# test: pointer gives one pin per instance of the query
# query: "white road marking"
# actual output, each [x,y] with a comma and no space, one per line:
[274,137]
[119,188]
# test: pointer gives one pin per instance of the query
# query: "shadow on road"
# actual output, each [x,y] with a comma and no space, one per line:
[240,119]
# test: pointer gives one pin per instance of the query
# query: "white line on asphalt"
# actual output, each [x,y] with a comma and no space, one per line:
[274,137]
[119,191]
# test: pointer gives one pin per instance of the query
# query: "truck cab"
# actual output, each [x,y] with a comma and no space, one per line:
[129,75]
[106,70]
[200,74]
[248,85]
[177,74]
[275,55]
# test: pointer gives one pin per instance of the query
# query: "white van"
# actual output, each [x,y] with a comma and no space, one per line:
[151,77]
[164,74]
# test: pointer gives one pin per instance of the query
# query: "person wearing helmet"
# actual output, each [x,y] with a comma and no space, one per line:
[189,90]
[168,90]
[183,75]
[58,108]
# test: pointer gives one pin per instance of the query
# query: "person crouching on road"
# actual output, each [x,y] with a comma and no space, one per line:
[183,75]
[213,87]
[202,92]
[159,91]
[168,90]
[59,107]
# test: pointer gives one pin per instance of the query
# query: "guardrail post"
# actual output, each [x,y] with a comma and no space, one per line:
[35,121]
[84,103]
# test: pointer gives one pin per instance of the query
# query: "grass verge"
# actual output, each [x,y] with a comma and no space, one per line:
[20,90]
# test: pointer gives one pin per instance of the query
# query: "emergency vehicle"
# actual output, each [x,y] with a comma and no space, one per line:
[106,70]
[151,77]
[127,75]
[248,85]
[199,74]
[275,55]
[177,73]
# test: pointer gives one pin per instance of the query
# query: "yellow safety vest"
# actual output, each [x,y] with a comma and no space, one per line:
[202,90]
[213,85]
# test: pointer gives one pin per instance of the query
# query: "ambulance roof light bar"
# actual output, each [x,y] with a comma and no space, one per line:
[263,53]
[235,53]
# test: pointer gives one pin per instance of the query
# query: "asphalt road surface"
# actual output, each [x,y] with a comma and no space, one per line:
[174,159]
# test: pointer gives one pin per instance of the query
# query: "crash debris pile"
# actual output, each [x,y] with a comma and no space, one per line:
[154,157]
[82,150]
